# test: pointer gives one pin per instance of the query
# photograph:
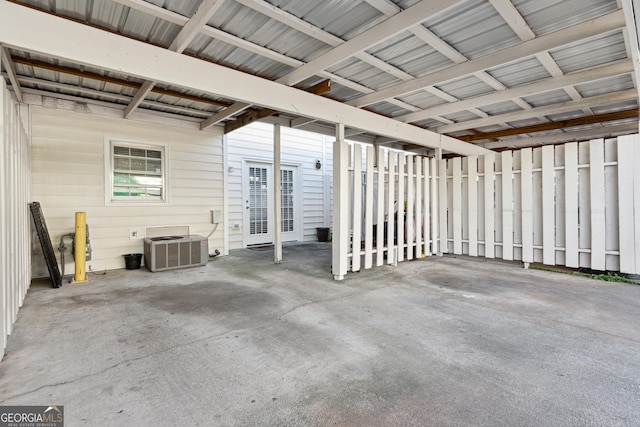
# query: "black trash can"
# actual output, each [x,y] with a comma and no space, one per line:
[132,261]
[323,234]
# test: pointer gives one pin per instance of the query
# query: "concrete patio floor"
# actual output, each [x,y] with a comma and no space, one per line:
[242,342]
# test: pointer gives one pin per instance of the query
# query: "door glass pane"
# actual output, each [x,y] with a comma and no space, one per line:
[258,208]
[286,199]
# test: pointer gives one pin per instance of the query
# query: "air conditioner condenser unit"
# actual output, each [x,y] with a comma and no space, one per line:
[173,252]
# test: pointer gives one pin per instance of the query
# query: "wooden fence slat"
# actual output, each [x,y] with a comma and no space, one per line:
[526,184]
[548,208]
[418,215]
[636,199]
[489,206]
[426,225]
[368,211]
[380,208]
[391,200]
[472,218]
[356,238]
[507,205]
[401,211]
[598,224]
[442,184]
[457,205]
[435,198]
[571,241]
[409,218]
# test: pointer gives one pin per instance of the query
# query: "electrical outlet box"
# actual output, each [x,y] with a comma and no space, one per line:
[216,216]
[236,226]
[133,234]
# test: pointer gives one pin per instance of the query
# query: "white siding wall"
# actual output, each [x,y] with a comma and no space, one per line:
[255,142]
[15,190]
[68,176]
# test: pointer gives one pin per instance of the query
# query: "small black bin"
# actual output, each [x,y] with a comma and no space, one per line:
[132,261]
[323,234]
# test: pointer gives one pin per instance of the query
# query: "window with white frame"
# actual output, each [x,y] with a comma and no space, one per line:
[137,172]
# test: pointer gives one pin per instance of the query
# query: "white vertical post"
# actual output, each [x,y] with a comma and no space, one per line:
[401,211]
[391,200]
[368,212]
[598,224]
[571,254]
[340,241]
[507,205]
[457,205]
[426,225]
[472,188]
[526,185]
[418,216]
[409,211]
[489,206]
[277,196]
[548,208]
[356,239]
[380,209]
[442,183]
[434,208]
[4,180]
[636,200]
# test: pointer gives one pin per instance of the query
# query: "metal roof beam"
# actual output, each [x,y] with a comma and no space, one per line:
[563,124]
[565,107]
[33,31]
[631,10]
[187,33]
[540,86]
[604,24]
[386,29]
[11,71]
[604,132]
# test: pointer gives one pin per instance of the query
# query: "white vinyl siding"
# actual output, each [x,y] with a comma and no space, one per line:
[69,175]
[299,148]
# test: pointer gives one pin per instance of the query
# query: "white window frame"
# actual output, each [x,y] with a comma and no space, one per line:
[109,198]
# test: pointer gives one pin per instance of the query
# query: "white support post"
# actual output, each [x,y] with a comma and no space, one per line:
[368,213]
[426,225]
[548,208]
[401,211]
[418,222]
[409,218]
[444,232]
[472,188]
[598,222]
[356,239]
[507,205]
[4,180]
[391,200]
[456,216]
[340,241]
[277,195]
[526,185]
[435,244]
[380,209]
[571,239]
[489,206]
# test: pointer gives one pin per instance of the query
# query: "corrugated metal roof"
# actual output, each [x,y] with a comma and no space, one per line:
[270,38]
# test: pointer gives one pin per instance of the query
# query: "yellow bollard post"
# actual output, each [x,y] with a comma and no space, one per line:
[80,254]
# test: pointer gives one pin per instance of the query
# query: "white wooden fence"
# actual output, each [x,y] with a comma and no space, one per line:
[15,194]
[576,205]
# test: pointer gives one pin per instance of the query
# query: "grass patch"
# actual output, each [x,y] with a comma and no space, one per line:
[607,277]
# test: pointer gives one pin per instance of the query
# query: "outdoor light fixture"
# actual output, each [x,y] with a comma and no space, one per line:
[318,164]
